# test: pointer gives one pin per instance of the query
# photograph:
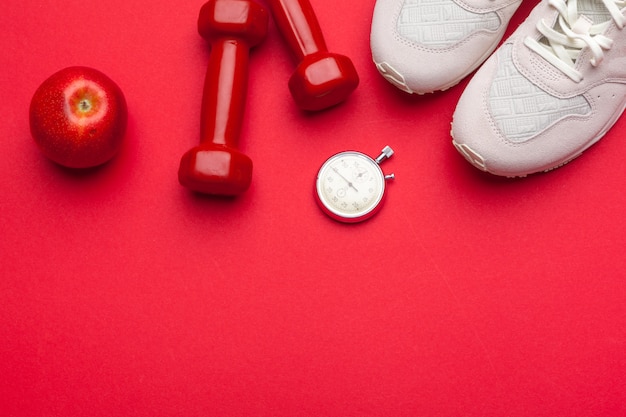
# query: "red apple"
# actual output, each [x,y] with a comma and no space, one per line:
[78,117]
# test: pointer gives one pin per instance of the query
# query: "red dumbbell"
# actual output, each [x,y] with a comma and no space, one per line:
[232,27]
[322,79]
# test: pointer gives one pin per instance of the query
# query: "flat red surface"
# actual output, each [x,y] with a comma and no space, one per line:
[122,294]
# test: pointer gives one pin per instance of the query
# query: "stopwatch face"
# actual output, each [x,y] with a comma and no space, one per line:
[350,186]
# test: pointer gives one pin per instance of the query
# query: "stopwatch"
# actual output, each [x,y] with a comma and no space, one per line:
[350,185]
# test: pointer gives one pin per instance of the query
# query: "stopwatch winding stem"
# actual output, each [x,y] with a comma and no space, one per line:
[385,154]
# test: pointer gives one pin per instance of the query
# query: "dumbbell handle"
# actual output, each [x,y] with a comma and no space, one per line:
[224,95]
[298,24]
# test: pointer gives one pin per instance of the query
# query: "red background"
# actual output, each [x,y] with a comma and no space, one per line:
[122,294]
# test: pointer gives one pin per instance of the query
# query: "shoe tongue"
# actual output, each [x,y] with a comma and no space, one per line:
[582,25]
[594,10]
[590,12]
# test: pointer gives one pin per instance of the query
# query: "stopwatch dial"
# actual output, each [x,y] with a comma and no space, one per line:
[350,184]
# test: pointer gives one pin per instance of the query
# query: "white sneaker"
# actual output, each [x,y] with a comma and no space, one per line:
[422,46]
[552,90]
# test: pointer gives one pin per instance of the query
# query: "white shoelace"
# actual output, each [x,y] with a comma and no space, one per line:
[572,32]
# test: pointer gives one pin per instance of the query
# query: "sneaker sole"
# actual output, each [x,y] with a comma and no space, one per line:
[396,78]
[479,162]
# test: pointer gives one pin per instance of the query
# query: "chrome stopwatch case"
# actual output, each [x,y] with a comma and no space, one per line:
[350,186]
